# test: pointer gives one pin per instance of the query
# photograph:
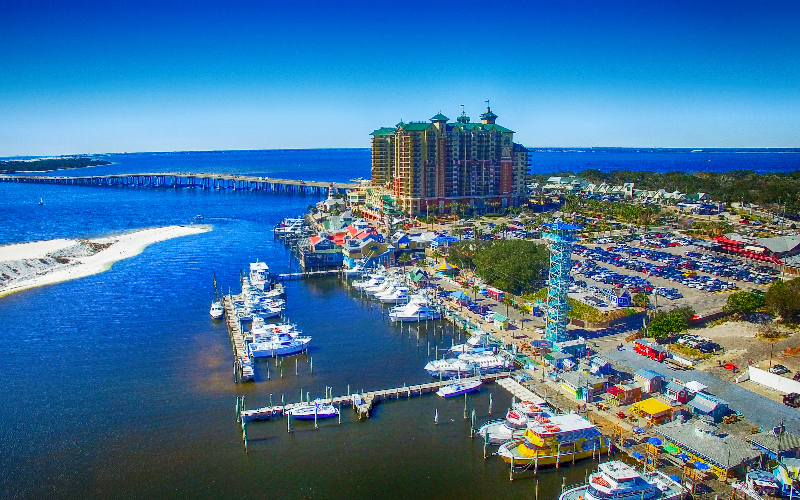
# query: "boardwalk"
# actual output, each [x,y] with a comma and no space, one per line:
[190,180]
[397,392]
[519,391]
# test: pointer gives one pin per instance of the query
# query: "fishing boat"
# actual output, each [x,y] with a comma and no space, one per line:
[497,432]
[259,276]
[373,280]
[41,201]
[397,296]
[216,310]
[447,368]
[264,331]
[357,270]
[529,408]
[617,480]
[278,344]
[317,409]
[198,217]
[414,311]
[559,438]
[459,388]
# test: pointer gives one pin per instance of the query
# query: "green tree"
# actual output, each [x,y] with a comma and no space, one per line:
[783,299]
[507,301]
[744,303]
[404,259]
[514,266]
[641,300]
[664,324]
[475,290]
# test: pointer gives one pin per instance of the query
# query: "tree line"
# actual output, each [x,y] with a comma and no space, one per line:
[48,164]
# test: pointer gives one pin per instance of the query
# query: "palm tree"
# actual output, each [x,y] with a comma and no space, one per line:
[507,301]
[404,259]
[475,290]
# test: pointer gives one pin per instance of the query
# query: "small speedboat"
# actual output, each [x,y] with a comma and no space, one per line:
[459,388]
[216,310]
[315,410]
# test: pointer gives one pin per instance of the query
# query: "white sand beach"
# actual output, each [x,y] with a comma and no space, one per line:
[39,263]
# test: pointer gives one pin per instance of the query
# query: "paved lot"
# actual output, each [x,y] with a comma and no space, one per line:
[756,408]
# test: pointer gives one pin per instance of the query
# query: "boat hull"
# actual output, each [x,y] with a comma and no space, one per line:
[550,459]
[307,412]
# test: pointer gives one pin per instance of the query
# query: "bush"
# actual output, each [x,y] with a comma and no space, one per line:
[783,299]
[744,303]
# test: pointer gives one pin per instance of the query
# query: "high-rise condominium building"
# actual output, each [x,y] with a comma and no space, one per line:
[436,164]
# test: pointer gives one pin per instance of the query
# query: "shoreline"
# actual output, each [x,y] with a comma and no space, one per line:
[49,262]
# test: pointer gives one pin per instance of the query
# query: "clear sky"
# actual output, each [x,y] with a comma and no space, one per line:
[107,76]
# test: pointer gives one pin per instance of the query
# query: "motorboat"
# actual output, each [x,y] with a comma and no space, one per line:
[475,343]
[414,311]
[373,280]
[559,438]
[618,480]
[380,288]
[247,369]
[317,409]
[264,331]
[497,432]
[447,368]
[277,344]
[356,270]
[487,361]
[530,409]
[259,276]
[399,295]
[458,388]
[216,310]
[268,311]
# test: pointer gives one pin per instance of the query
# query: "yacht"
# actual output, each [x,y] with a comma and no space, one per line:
[475,343]
[559,438]
[216,310]
[617,480]
[260,277]
[501,431]
[458,388]
[414,311]
[398,296]
[317,409]
[357,270]
[264,331]
[487,361]
[380,288]
[447,368]
[373,280]
[278,344]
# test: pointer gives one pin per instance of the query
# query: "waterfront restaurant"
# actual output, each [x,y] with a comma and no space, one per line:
[725,454]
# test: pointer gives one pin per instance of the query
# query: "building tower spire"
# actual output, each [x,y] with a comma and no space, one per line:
[488,117]
[463,118]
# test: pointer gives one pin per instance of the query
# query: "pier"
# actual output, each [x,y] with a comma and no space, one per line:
[241,357]
[191,181]
[308,274]
[406,391]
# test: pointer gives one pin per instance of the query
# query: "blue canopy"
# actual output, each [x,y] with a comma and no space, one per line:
[675,478]
[638,430]
[459,295]
[683,456]
[701,466]
[654,441]
[637,455]
[561,226]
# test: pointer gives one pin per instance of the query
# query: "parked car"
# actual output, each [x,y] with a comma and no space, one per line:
[778,369]
[792,399]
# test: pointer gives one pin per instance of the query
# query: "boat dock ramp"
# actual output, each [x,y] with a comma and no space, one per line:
[369,397]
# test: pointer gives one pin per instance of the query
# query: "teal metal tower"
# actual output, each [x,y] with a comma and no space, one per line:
[561,237]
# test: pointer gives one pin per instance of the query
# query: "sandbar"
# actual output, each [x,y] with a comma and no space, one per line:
[34,264]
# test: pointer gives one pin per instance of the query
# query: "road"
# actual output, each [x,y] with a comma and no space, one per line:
[758,409]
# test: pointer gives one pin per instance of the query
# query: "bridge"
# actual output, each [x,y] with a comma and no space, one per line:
[191,180]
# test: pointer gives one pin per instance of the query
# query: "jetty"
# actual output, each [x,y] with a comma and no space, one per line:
[191,180]
[369,398]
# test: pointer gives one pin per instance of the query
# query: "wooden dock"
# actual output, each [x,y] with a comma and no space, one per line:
[241,356]
[519,391]
[407,391]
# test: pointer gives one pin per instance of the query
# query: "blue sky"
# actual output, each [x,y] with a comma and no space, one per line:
[86,77]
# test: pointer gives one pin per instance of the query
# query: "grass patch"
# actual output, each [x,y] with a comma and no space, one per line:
[688,351]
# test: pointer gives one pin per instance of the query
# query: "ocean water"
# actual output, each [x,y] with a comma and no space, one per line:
[120,385]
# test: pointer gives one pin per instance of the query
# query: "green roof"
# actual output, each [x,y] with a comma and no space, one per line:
[487,127]
[384,131]
[416,126]
[439,117]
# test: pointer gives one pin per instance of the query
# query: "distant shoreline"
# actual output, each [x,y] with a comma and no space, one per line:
[30,265]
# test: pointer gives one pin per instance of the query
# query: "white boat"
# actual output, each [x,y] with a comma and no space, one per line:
[501,431]
[618,480]
[383,287]
[398,296]
[459,388]
[759,484]
[475,343]
[447,368]
[372,281]
[317,409]
[278,344]
[259,276]
[264,331]
[487,362]
[247,369]
[216,310]
[357,270]
[414,311]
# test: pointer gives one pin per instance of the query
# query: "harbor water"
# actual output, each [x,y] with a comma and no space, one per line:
[120,385]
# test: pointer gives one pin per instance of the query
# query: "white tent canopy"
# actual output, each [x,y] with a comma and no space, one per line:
[696,386]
